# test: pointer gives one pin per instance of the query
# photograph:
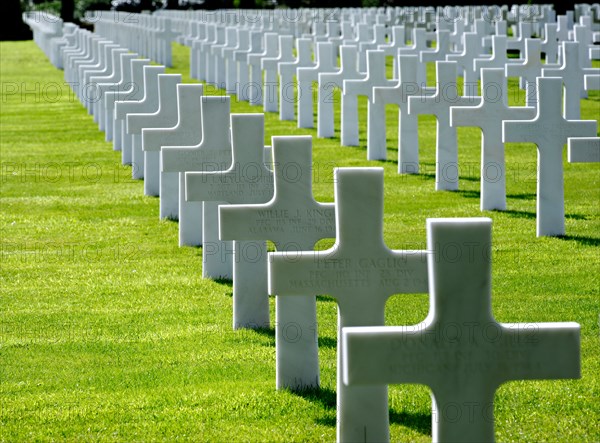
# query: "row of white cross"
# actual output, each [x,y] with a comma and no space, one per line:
[236,68]
[230,194]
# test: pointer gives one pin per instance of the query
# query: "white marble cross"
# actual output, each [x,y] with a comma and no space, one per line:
[472,50]
[395,42]
[549,130]
[306,77]
[446,96]
[241,58]
[187,132]
[549,45]
[408,136]
[255,91]
[165,115]
[499,57]
[376,76]
[364,46]
[361,273]
[441,50]
[270,67]
[528,70]
[328,82]
[460,350]
[122,83]
[246,181]
[147,103]
[213,153]
[107,82]
[129,89]
[488,116]
[584,150]
[573,78]
[287,72]
[294,221]
[419,43]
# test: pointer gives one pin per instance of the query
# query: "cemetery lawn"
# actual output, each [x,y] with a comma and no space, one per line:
[109,333]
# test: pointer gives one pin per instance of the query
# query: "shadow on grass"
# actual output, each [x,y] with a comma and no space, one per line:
[327,342]
[467,193]
[584,240]
[532,215]
[523,196]
[326,397]
[268,333]
[516,213]
[325,298]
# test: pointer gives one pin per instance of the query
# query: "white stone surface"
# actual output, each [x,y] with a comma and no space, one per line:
[361,273]
[488,116]
[439,104]
[306,78]
[293,221]
[270,67]
[528,70]
[147,103]
[186,132]
[164,115]
[408,135]
[213,153]
[549,130]
[573,78]
[584,150]
[460,350]
[329,82]
[247,180]
[127,89]
[255,91]
[287,74]
[376,76]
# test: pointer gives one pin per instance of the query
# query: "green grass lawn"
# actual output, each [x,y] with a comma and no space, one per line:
[109,333]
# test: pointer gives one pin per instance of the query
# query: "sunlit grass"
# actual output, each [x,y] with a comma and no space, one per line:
[109,332]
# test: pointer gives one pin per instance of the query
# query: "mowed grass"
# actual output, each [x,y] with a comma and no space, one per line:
[109,333]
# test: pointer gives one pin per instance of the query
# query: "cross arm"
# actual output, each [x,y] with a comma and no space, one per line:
[385,354]
[302,273]
[536,351]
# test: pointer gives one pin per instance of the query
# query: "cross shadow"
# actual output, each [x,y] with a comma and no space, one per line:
[268,333]
[516,213]
[576,216]
[584,240]
[326,397]
[327,342]
[325,298]
[418,421]
[523,196]
[467,193]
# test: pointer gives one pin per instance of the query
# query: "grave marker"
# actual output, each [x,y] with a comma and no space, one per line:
[488,116]
[361,273]
[549,130]
[197,221]
[376,76]
[287,72]
[306,77]
[164,115]
[460,351]
[584,150]
[246,181]
[408,135]
[294,221]
[187,132]
[439,104]
[147,103]
[328,81]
